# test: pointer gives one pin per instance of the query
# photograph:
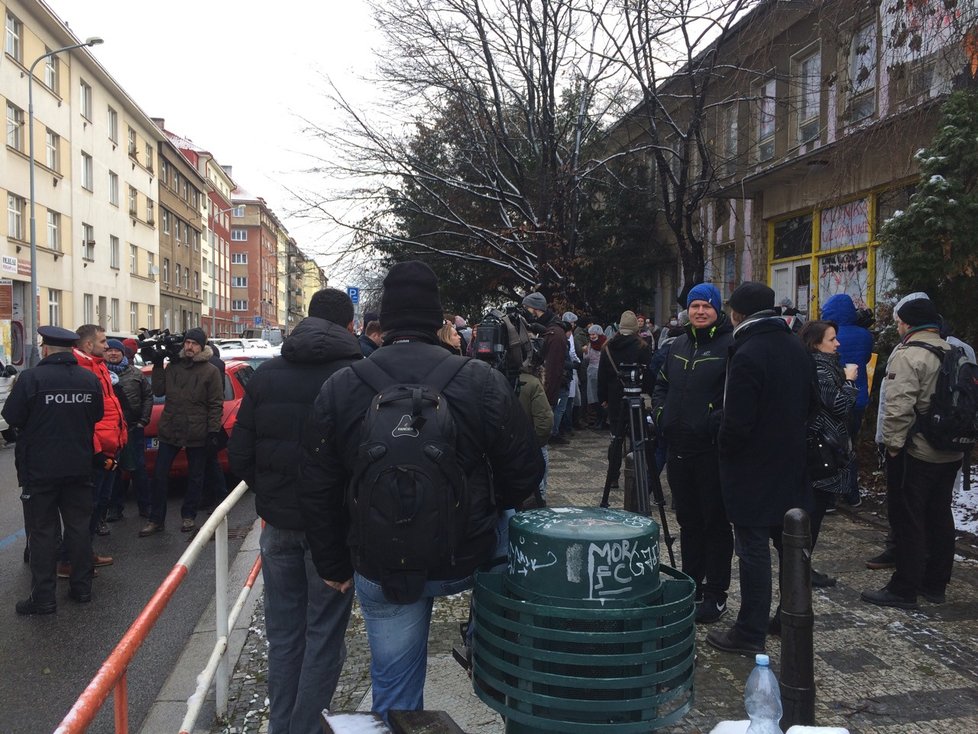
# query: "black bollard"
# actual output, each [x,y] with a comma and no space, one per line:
[797,620]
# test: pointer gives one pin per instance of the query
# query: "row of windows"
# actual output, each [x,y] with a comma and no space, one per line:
[107,313]
[181,276]
[182,232]
[179,184]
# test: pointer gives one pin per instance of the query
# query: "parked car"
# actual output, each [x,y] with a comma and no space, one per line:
[255,360]
[236,376]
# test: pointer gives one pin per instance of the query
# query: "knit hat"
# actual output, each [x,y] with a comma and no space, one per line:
[569,317]
[917,309]
[595,329]
[116,344]
[628,324]
[535,300]
[705,292]
[410,299]
[751,297]
[196,335]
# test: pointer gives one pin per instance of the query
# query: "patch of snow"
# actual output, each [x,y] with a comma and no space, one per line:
[964,505]
[937,180]
[355,724]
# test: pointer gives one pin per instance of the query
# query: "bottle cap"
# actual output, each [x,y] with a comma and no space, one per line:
[762,659]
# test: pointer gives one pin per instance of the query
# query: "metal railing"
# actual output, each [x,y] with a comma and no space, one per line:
[111,677]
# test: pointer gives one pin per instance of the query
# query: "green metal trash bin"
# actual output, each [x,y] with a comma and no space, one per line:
[586,632]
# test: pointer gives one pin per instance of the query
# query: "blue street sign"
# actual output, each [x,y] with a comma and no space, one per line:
[354,293]
[257,320]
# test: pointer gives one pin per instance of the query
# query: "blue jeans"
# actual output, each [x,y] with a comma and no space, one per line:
[754,551]
[546,471]
[561,406]
[196,460]
[305,621]
[102,483]
[398,636]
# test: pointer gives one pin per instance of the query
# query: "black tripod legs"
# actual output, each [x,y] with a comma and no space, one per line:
[614,467]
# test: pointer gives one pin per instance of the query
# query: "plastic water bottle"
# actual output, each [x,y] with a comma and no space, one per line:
[762,698]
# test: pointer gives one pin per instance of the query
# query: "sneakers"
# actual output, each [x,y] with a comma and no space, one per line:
[150,528]
[822,580]
[886,598]
[99,561]
[854,500]
[886,559]
[729,640]
[29,606]
[188,525]
[709,611]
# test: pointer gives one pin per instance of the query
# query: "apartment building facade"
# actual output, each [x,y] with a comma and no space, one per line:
[95,187]
[813,131]
[182,190]
[254,261]
[215,274]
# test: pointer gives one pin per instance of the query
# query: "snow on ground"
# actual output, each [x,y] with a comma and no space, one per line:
[965,504]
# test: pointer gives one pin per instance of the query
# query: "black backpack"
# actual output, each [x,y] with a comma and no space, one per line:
[408,498]
[951,422]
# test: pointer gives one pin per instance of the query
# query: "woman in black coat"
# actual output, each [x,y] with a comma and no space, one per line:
[837,394]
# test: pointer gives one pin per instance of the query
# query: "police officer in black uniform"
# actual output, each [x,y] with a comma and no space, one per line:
[56,406]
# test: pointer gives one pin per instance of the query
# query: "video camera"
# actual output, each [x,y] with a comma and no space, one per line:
[160,343]
[503,340]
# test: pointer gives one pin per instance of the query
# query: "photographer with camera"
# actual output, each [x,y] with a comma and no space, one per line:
[191,420]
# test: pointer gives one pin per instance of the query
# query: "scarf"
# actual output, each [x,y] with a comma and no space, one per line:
[118,368]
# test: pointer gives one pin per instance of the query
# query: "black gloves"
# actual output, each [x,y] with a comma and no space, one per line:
[104,461]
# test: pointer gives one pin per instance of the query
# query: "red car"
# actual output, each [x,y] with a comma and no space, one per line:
[236,376]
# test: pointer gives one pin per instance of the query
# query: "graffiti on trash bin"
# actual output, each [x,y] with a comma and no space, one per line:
[614,566]
[521,564]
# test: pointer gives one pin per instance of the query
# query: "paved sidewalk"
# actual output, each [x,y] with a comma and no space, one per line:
[878,671]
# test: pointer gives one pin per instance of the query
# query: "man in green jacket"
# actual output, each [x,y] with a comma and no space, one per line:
[191,420]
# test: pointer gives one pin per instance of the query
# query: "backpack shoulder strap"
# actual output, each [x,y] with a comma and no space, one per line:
[445,371]
[936,351]
[372,374]
[611,360]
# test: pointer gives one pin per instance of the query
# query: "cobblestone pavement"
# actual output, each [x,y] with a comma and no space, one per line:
[878,671]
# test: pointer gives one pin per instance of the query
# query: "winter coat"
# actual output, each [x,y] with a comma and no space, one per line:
[56,406]
[621,349]
[533,400]
[767,401]
[194,404]
[265,449]
[855,342]
[554,354]
[110,433]
[911,378]
[837,396]
[494,445]
[688,398]
[367,345]
[137,396]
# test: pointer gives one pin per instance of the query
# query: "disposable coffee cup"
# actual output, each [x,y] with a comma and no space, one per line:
[853,365]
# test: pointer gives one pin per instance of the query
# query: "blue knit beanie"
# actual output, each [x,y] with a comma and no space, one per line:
[705,292]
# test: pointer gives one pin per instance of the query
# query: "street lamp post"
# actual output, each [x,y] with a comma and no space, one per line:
[33,357]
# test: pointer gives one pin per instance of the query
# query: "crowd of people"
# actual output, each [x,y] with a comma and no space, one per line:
[388,463]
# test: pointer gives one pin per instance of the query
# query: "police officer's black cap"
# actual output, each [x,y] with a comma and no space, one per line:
[55,336]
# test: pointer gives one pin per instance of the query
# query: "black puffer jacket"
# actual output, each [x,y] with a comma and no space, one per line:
[494,439]
[688,394]
[769,396]
[619,350]
[265,449]
[836,398]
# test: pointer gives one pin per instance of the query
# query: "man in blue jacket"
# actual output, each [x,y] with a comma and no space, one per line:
[855,347]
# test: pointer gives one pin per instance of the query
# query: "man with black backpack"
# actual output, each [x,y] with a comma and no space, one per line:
[924,429]
[410,456]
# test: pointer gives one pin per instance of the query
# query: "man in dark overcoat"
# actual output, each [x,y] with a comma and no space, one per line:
[762,451]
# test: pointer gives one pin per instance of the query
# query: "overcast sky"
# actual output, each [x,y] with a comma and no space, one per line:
[234,76]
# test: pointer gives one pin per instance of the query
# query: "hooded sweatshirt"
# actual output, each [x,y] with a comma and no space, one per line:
[855,342]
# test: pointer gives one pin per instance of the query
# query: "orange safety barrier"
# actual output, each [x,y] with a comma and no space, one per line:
[112,674]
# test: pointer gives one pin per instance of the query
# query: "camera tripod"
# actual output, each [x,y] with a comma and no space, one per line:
[642,449]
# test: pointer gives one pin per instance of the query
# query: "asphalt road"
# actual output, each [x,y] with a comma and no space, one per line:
[46,662]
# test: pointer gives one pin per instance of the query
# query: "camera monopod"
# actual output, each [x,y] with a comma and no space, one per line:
[642,449]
